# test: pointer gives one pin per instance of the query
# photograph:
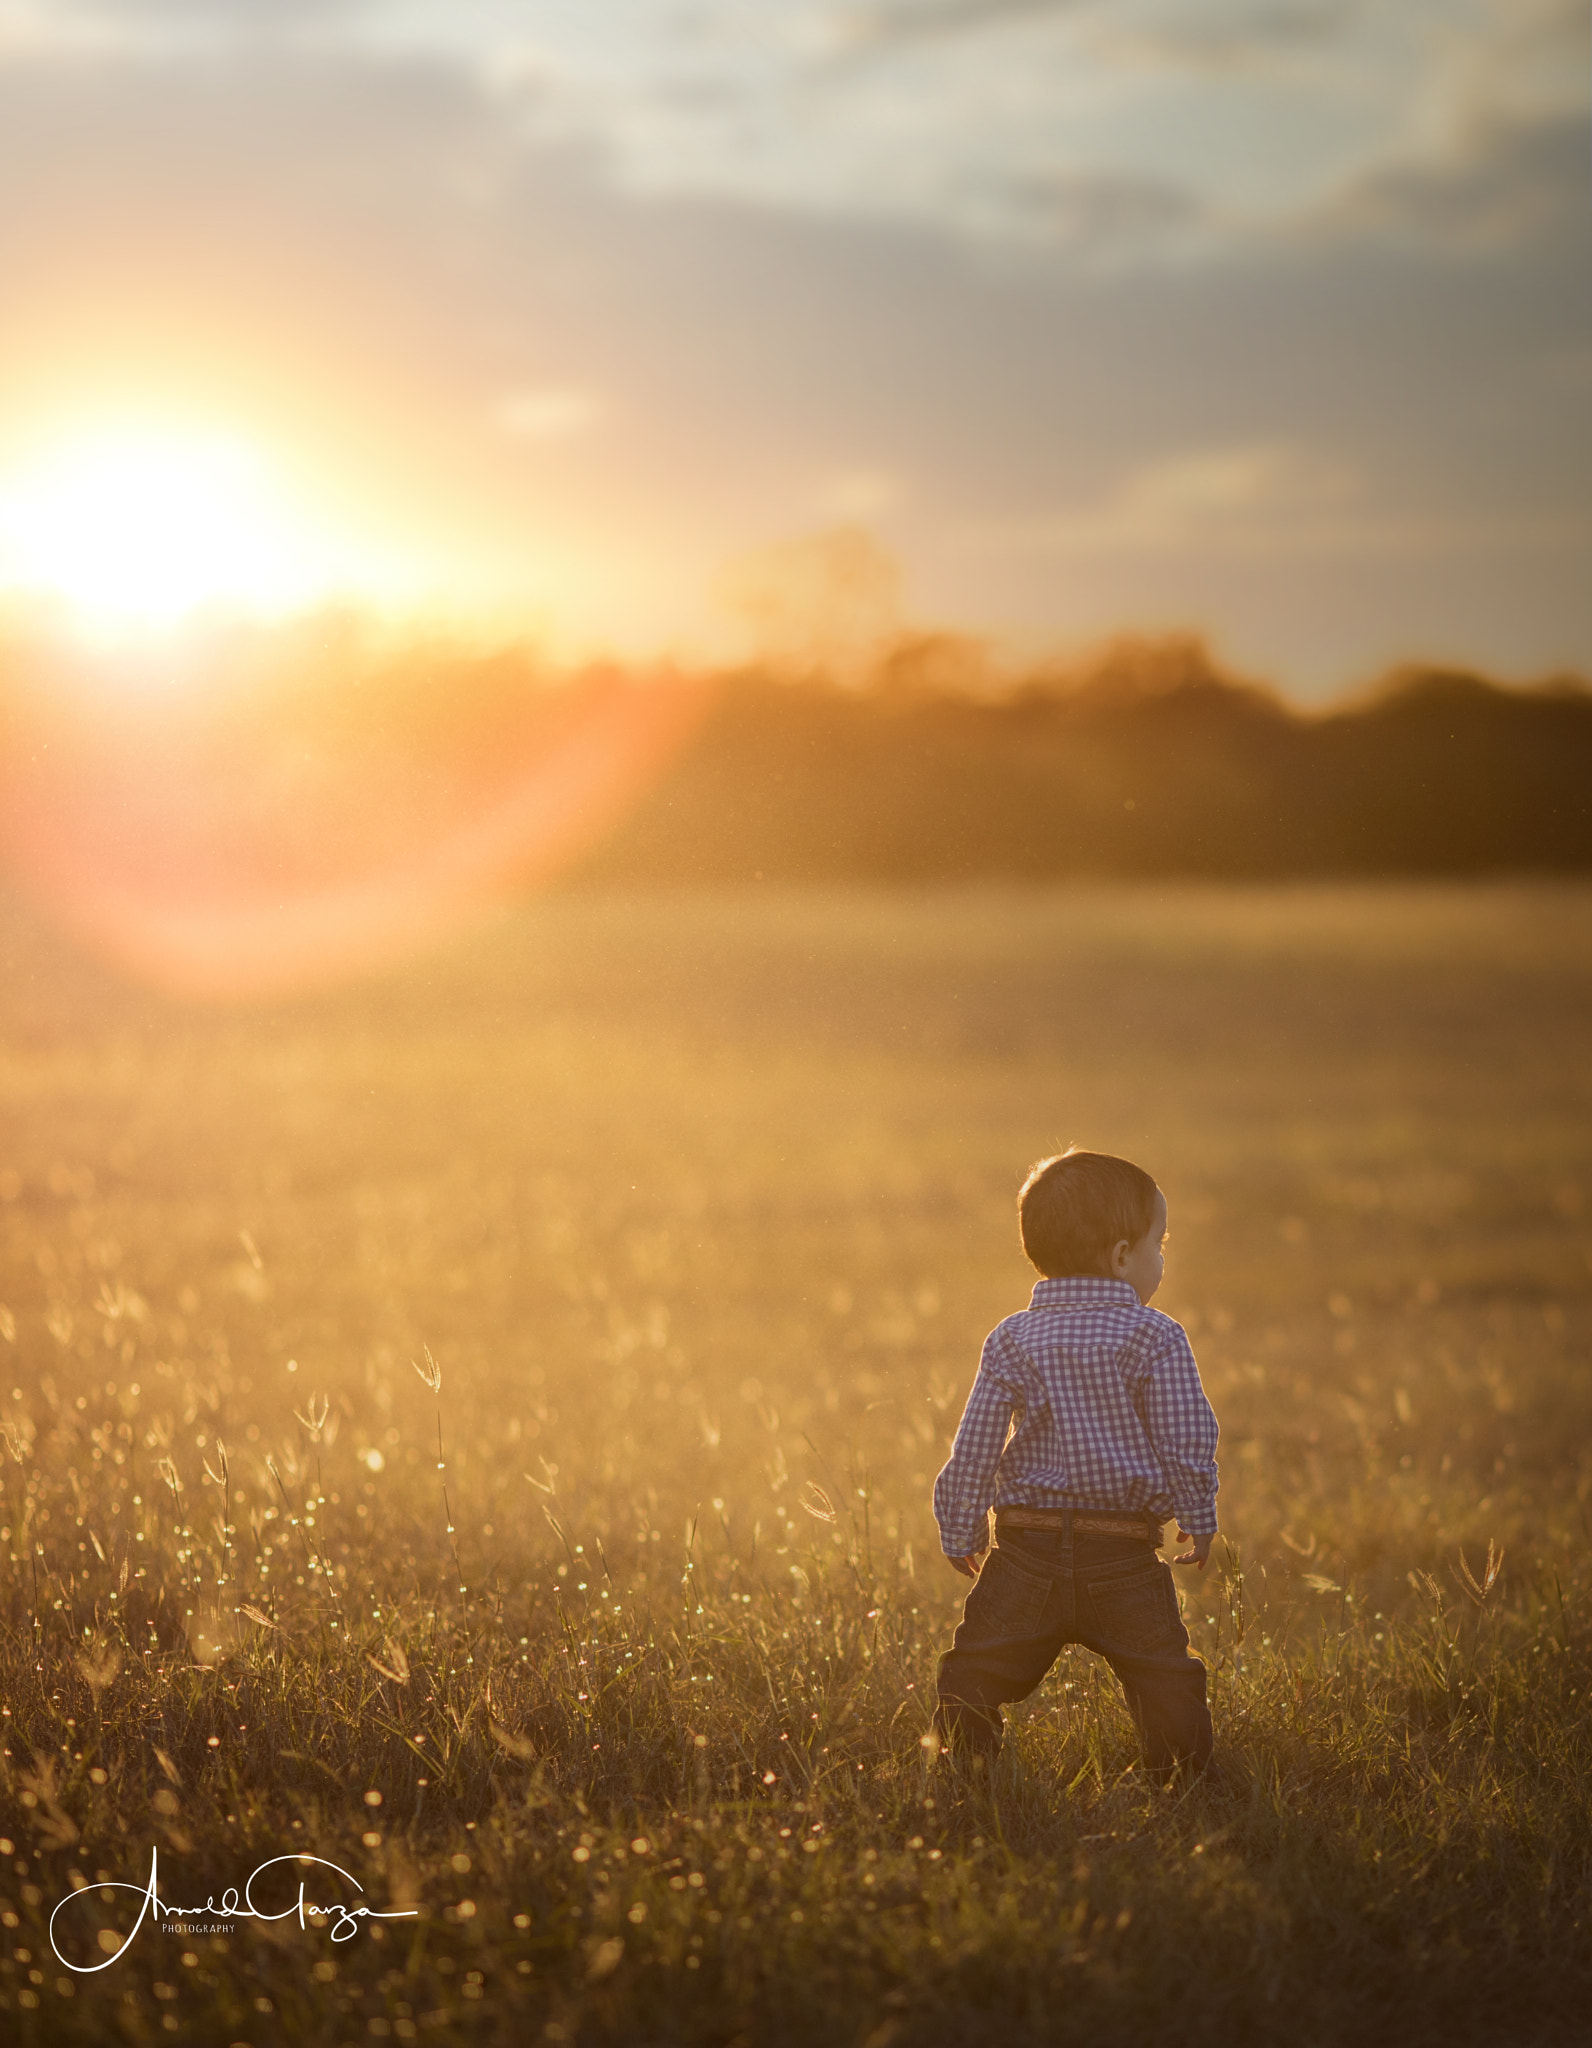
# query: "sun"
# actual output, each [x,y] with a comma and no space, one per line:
[147,525]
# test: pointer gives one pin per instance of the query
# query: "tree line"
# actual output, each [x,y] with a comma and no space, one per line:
[1161,767]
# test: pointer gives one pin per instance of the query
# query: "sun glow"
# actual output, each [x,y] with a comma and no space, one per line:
[147,526]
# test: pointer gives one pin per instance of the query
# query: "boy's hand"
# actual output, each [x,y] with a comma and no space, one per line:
[1201,1550]
[967,1566]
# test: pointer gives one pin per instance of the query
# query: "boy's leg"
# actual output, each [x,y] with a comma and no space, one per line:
[1016,1618]
[1127,1610]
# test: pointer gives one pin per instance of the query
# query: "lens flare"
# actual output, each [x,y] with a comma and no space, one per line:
[230,836]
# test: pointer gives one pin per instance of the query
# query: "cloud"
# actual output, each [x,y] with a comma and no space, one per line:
[1240,36]
[134,30]
[237,19]
[869,31]
[548,412]
[861,492]
[1502,188]
[1253,496]
[1220,483]
[1123,130]
[1260,501]
[1220,32]
[1489,154]
[1108,218]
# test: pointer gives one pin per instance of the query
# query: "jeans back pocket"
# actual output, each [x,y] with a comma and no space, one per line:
[1009,1599]
[1134,1605]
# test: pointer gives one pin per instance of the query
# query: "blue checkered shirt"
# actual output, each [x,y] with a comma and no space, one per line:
[1106,1410]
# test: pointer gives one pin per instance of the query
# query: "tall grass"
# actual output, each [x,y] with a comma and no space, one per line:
[603,1639]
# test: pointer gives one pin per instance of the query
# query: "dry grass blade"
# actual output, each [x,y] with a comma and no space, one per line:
[397,1666]
[40,1791]
[605,1958]
[516,1745]
[316,1410]
[1479,1589]
[98,1666]
[817,1502]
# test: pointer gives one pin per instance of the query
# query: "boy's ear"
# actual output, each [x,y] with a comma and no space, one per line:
[1118,1257]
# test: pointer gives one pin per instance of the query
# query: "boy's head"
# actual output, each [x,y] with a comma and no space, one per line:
[1077,1209]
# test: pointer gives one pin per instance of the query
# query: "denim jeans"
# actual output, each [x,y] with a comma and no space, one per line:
[1043,1589]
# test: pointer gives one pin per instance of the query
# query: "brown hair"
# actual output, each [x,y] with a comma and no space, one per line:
[1072,1209]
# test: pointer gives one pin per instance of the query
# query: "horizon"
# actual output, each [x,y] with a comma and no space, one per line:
[213,650]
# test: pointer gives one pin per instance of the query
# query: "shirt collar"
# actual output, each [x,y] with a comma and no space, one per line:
[1082,1290]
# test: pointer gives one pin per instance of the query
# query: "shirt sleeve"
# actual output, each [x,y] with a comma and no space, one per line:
[1182,1427]
[965,1489]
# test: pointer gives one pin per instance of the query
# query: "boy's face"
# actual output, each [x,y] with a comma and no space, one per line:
[1142,1264]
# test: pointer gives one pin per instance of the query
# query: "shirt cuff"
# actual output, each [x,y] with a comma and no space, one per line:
[1200,1521]
[965,1539]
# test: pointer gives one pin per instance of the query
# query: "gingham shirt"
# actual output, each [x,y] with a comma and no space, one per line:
[1109,1413]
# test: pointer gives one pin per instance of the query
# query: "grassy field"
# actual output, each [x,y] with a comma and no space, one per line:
[611,1657]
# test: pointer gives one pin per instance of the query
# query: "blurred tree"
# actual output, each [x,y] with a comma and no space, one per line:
[827,604]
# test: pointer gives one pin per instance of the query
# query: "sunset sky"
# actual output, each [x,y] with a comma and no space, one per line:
[1268,318]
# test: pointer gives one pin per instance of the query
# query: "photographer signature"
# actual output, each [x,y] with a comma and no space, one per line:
[345,1919]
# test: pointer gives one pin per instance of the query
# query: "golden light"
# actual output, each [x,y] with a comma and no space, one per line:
[315,783]
[146,525]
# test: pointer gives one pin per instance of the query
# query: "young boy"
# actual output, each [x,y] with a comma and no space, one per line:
[1113,1436]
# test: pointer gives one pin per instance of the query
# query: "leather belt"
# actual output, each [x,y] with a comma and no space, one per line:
[1085,1521]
